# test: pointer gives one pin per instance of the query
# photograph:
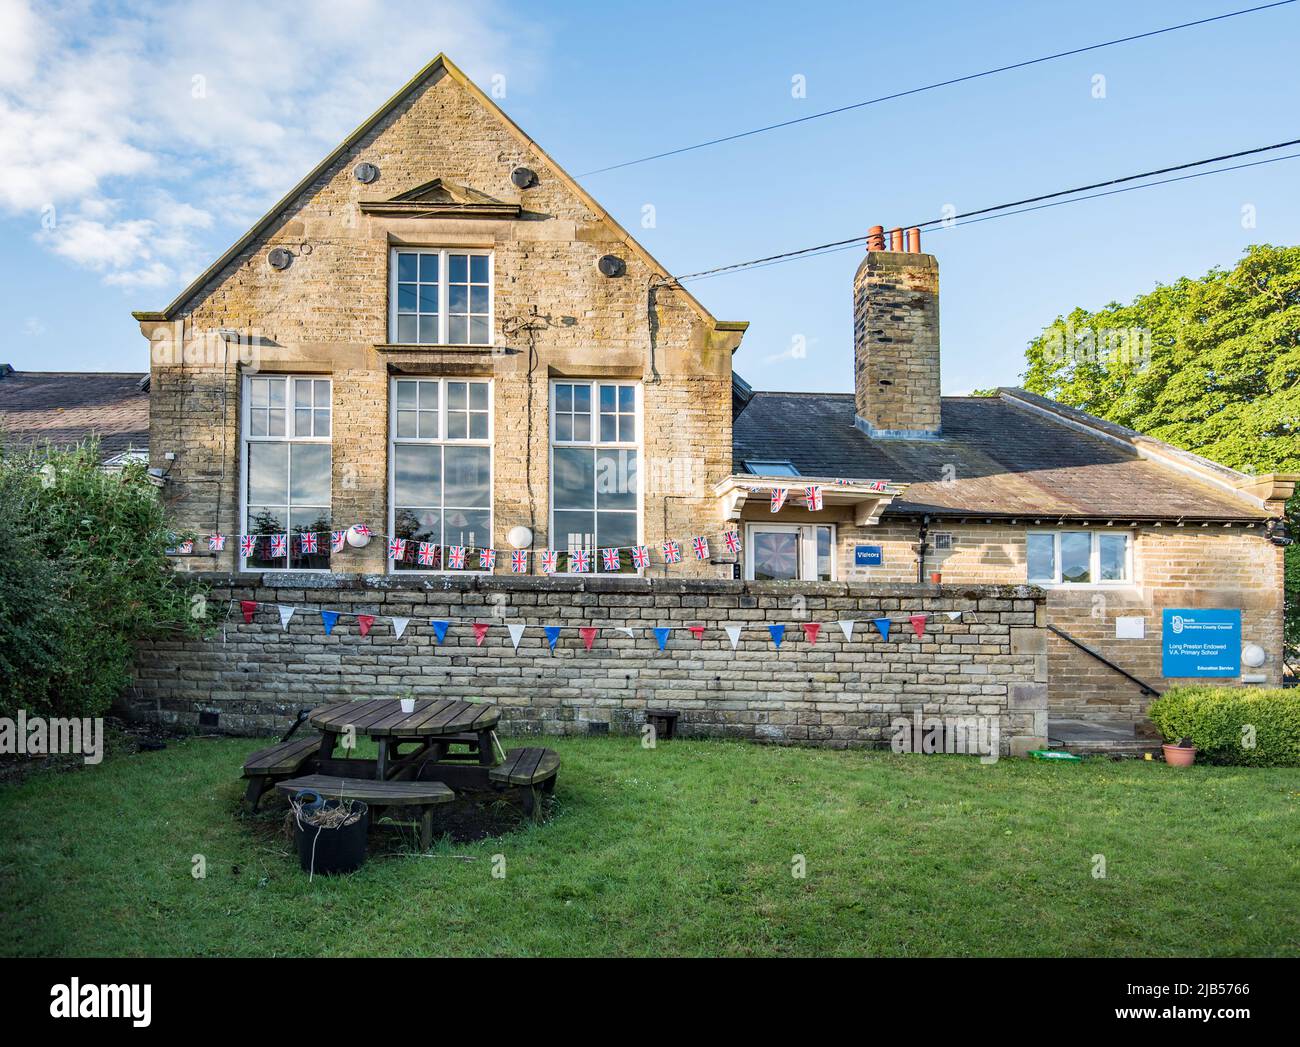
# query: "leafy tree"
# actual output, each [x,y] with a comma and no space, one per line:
[83,575]
[1210,364]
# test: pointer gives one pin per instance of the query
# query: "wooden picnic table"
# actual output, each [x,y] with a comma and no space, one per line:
[432,727]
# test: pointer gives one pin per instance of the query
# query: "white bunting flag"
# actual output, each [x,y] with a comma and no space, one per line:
[285,614]
[516,630]
[399,625]
[953,615]
[733,634]
[846,627]
[626,631]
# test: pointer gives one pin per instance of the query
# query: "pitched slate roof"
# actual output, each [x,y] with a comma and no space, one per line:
[1007,459]
[66,407]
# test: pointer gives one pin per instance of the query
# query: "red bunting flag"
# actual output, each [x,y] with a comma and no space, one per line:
[697,631]
[365,621]
[918,624]
[810,631]
[480,631]
[588,634]
[248,607]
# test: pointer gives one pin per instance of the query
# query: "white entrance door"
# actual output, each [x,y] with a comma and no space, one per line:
[790,552]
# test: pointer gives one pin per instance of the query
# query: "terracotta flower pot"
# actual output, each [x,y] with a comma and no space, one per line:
[936,578]
[1179,756]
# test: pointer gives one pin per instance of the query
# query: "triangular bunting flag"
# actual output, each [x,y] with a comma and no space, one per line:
[516,630]
[627,631]
[588,634]
[552,634]
[248,607]
[918,624]
[953,615]
[480,631]
[399,625]
[329,618]
[365,621]
[697,631]
[846,627]
[286,613]
[810,631]
[778,634]
[882,624]
[733,634]
[439,629]
[661,634]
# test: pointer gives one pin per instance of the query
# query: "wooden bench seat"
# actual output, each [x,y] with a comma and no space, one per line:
[528,769]
[280,760]
[423,795]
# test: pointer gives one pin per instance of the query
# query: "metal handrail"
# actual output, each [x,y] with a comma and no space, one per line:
[1146,687]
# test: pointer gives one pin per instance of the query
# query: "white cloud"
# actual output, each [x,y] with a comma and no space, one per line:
[159,136]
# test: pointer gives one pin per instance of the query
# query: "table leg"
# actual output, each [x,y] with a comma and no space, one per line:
[487,755]
[381,766]
[328,739]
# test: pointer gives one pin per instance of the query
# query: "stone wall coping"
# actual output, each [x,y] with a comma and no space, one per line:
[307,580]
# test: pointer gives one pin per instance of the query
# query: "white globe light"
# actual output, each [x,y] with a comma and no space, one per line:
[520,537]
[358,536]
[1253,655]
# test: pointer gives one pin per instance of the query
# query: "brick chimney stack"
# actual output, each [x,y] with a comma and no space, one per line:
[896,338]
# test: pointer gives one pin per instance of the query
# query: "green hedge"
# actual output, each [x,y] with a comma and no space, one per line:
[1216,719]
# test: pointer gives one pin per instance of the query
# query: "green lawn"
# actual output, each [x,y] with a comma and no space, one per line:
[686,849]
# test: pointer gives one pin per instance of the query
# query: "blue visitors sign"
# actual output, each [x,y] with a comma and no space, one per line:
[1202,642]
[867,556]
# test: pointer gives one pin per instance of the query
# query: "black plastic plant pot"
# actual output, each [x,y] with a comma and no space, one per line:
[664,721]
[326,851]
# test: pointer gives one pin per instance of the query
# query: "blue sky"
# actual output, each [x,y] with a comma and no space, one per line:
[137,141]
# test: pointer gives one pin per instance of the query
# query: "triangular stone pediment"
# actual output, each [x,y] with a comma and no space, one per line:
[442,199]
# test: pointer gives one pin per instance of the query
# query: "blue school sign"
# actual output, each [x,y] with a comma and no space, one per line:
[867,556]
[1202,642]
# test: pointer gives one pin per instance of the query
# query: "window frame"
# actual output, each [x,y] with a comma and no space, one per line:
[595,445]
[750,463]
[441,440]
[444,295]
[246,439]
[807,547]
[1094,557]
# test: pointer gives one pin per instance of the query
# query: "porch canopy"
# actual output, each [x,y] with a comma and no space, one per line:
[868,498]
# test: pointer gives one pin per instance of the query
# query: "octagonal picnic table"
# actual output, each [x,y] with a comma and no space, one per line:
[433,726]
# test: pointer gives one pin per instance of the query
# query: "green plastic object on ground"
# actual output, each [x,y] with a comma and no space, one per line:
[1054,754]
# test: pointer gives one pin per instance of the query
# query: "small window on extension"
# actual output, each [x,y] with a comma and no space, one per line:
[771,467]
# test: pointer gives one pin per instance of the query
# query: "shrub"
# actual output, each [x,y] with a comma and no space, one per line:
[83,575]
[1217,720]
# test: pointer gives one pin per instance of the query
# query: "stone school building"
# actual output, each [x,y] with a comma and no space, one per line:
[440,387]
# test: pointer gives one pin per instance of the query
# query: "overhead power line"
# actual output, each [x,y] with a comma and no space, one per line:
[1022,204]
[935,86]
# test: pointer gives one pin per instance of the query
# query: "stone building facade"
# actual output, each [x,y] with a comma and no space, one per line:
[440,335]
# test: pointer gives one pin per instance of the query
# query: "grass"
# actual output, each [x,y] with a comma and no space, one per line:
[686,849]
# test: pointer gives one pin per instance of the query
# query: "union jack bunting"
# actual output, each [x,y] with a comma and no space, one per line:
[579,561]
[397,549]
[279,545]
[307,542]
[701,547]
[610,559]
[814,498]
[425,554]
[732,538]
[640,557]
[248,545]
[779,495]
[877,485]
[519,561]
[362,530]
[487,559]
[672,552]
[843,483]
[337,539]
[456,557]
[186,547]
[216,542]
[548,561]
